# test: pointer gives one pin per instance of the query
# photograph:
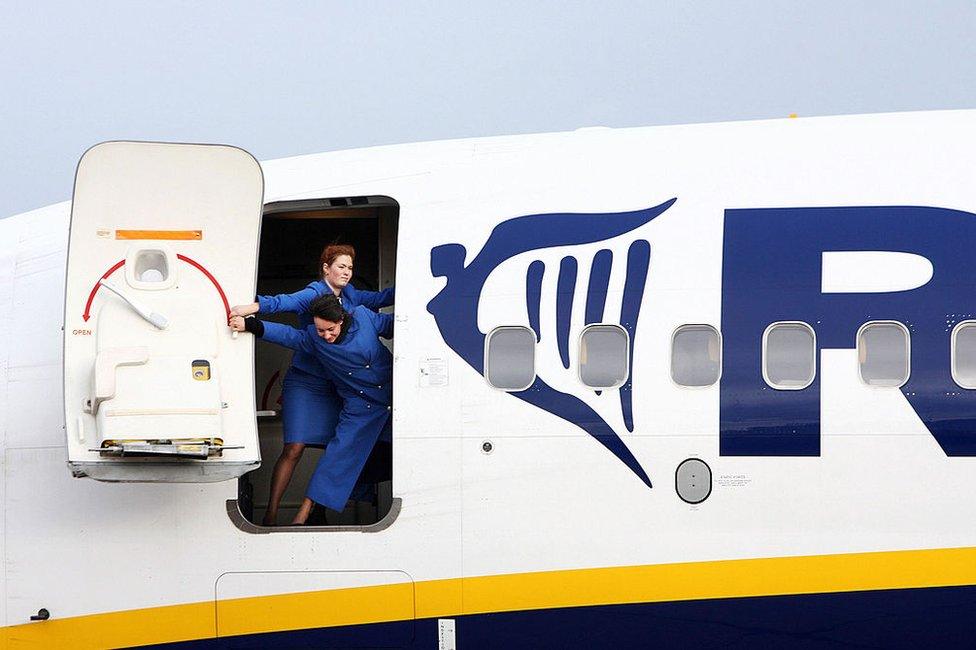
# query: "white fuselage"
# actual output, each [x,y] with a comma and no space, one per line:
[548,498]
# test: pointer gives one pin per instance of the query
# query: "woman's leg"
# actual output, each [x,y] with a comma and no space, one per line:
[302,515]
[291,453]
[310,408]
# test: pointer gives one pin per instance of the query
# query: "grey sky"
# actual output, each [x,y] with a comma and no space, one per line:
[288,78]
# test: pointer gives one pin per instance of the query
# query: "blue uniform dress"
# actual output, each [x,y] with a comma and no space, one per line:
[361,368]
[310,404]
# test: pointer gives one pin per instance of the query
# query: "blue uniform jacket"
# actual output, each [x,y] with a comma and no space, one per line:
[361,368]
[298,302]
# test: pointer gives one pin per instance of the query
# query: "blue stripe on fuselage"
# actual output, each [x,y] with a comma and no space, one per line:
[938,617]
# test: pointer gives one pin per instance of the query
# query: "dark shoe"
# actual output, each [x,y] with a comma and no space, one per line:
[317,517]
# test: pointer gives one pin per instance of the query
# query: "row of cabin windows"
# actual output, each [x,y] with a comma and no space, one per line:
[789,355]
[604,357]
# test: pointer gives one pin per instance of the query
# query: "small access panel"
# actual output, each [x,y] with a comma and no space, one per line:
[164,238]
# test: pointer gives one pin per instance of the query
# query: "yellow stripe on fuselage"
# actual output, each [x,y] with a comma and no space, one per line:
[500,593]
[351,606]
[721,579]
[116,629]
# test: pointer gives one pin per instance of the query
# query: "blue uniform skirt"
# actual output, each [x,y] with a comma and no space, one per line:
[335,477]
[310,408]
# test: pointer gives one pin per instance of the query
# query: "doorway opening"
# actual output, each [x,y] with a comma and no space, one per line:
[293,234]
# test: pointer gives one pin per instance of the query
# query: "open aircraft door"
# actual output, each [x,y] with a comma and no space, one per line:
[156,388]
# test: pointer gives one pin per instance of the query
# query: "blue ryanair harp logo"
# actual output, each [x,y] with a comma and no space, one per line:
[455,307]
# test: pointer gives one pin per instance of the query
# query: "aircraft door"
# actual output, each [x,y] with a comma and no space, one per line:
[163,238]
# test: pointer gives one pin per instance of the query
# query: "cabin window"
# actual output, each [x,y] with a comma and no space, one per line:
[696,355]
[604,356]
[964,354]
[789,355]
[510,358]
[883,353]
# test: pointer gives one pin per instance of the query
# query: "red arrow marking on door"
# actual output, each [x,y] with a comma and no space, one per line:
[216,284]
[94,290]
[121,263]
[267,390]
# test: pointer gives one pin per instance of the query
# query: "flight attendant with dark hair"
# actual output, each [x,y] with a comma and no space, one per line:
[347,346]
[310,403]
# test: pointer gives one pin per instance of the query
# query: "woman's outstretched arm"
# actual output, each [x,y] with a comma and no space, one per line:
[277,333]
[374,300]
[296,302]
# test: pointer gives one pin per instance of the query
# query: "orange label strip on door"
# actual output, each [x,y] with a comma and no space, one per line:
[190,235]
